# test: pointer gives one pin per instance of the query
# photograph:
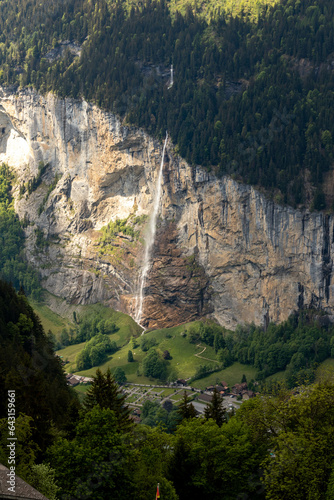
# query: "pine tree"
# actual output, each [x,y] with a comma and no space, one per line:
[186,408]
[130,357]
[105,393]
[215,409]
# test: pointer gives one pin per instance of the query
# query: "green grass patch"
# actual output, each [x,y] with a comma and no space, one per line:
[127,327]
[132,399]
[231,375]
[81,390]
[69,353]
[167,392]
[49,319]
[182,351]
[276,377]
[324,369]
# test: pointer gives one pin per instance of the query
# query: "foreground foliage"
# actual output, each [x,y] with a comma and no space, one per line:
[276,446]
[28,366]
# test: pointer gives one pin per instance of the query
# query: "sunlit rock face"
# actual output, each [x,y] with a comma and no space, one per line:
[222,249]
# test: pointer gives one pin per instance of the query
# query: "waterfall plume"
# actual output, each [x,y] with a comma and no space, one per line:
[149,240]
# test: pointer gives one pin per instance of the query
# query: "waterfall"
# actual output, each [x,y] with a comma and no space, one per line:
[149,240]
[171,83]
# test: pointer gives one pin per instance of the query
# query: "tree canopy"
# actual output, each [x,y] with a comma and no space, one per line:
[242,87]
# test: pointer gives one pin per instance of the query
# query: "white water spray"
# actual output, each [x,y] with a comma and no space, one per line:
[171,83]
[149,240]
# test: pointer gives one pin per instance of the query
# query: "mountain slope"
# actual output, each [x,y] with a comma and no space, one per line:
[241,89]
[221,247]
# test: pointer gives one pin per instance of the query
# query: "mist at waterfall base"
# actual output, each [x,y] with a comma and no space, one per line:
[149,241]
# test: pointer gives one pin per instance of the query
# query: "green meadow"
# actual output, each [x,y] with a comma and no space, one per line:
[186,357]
[231,375]
[184,354]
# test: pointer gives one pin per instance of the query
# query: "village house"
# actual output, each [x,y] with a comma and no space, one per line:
[238,388]
[181,381]
[205,397]
[23,490]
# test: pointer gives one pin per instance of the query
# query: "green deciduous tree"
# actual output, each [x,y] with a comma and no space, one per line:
[97,463]
[119,376]
[303,453]
[42,478]
[153,449]
[208,460]
[26,449]
[154,365]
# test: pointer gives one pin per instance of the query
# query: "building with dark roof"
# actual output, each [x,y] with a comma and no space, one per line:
[23,490]
[205,397]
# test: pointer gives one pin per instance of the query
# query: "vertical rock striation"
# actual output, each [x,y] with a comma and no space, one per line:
[222,248]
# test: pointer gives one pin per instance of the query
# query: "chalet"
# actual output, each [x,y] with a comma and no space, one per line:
[247,395]
[220,388]
[238,388]
[23,491]
[181,381]
[72,381]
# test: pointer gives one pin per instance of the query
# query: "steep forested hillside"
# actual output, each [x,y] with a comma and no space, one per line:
[29,367]
[251,99]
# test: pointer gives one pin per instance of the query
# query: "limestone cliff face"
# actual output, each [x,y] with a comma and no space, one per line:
[221,248]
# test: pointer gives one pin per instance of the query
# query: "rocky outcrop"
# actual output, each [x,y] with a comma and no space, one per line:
[222,248]
[178,289]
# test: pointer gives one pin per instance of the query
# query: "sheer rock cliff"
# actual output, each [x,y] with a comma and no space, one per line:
[222,248]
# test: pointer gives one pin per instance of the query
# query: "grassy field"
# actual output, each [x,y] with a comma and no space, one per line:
[278,377]
[81,390]
[184,361]
[49,319]
[126,328]
[167,392]
[182,351]
[186,356]
[231,375]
